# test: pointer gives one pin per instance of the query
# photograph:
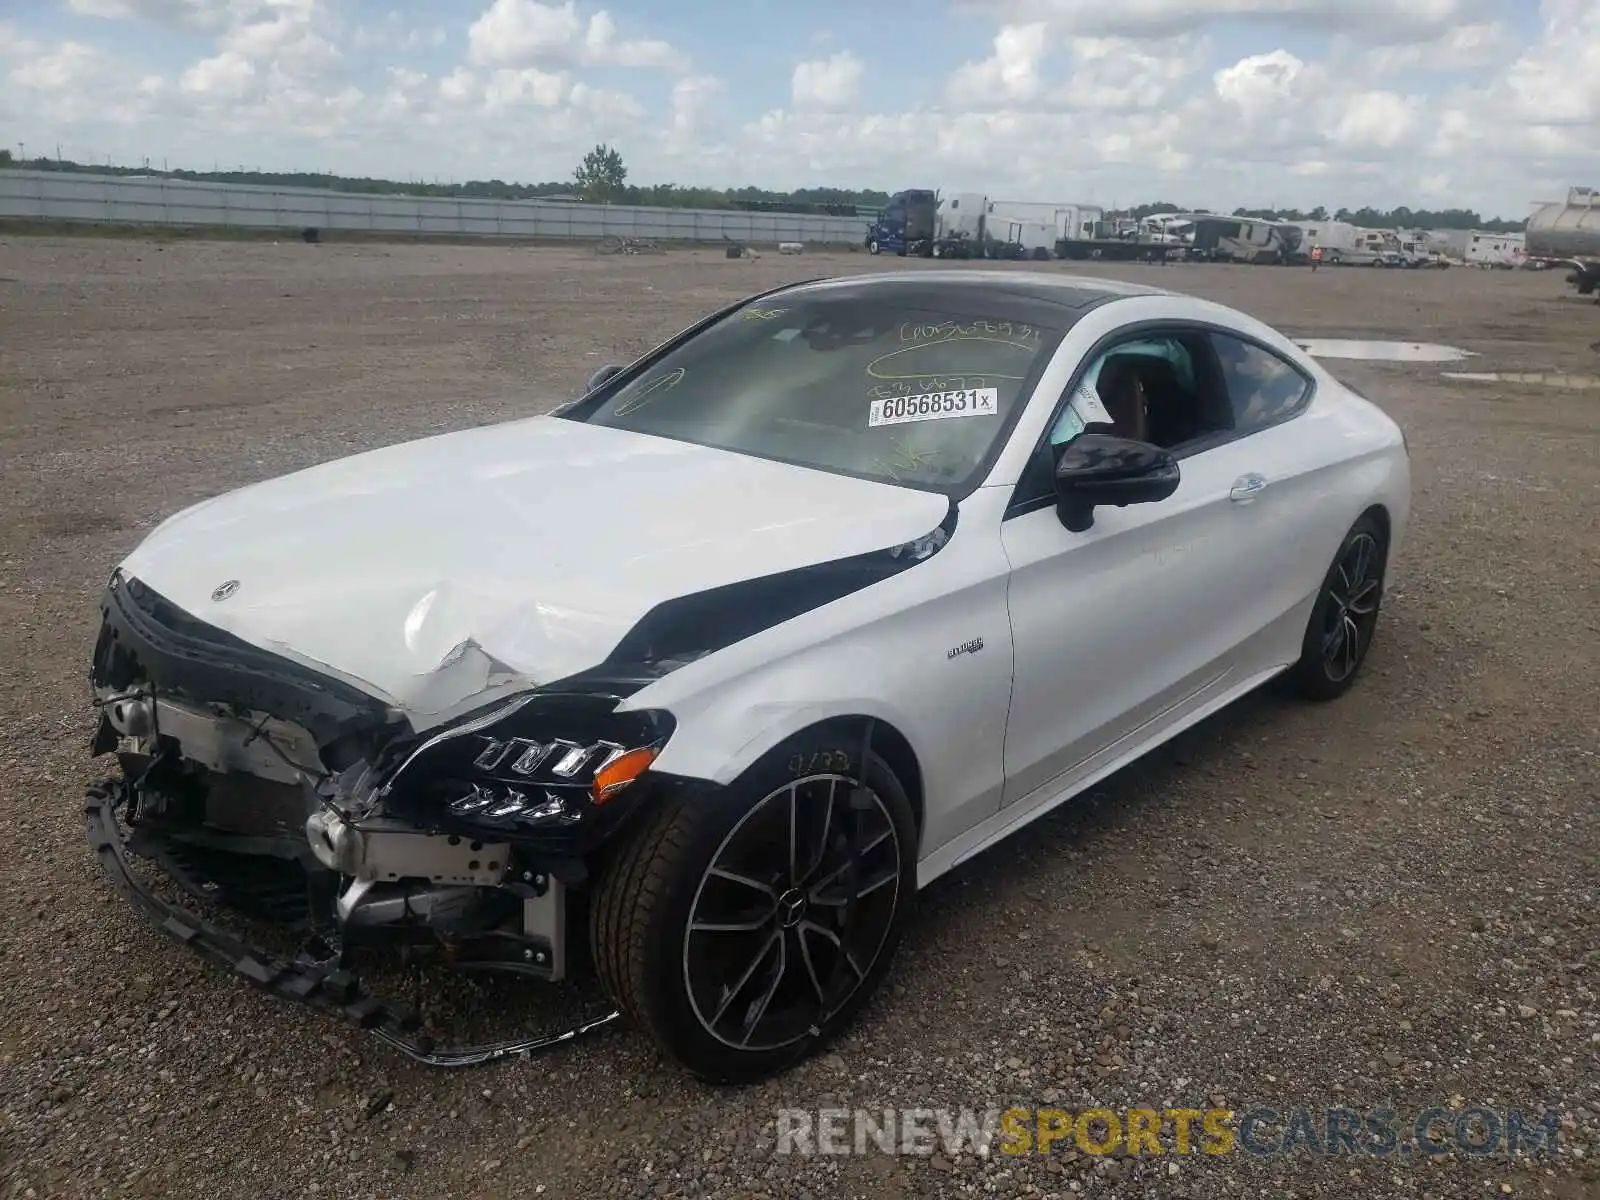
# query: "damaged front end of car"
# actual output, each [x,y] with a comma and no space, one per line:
[466,829]
[300,801]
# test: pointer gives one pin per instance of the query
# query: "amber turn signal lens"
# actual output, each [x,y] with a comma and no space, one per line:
[620,772]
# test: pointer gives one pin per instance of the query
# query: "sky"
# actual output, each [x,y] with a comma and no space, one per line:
[1485,104]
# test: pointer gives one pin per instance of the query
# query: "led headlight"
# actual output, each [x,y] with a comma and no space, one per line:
[561,764]
[541,766]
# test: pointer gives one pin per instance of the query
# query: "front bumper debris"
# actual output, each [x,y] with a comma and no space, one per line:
[323,982]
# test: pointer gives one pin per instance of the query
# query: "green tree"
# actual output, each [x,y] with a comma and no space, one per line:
[601,175]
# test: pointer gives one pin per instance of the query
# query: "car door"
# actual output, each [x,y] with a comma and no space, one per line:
[1140,618]
[1296,512]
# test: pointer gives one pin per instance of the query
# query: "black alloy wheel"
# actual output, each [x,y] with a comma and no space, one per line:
[792,913]
[742,928]
[1344,618]
[1352,612]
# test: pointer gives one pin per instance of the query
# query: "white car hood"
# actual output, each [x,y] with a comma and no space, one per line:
[433,572]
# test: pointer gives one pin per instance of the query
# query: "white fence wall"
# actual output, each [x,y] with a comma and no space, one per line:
[112,199]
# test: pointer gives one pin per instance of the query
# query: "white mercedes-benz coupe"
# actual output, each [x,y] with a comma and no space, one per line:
[696,680]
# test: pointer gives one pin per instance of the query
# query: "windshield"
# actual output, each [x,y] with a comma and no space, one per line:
[899,393]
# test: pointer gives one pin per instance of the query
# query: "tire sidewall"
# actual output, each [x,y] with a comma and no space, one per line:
[675,1019]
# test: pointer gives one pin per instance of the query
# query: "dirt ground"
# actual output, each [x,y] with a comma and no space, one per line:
[1389,902]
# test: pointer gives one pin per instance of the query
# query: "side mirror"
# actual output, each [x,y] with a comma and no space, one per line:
[601,376]
[1096,468]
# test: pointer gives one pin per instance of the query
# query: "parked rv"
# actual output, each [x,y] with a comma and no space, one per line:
[1477,247]
[1335,238]
[1244,240]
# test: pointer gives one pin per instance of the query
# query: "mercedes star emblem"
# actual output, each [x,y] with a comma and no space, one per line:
[223,590]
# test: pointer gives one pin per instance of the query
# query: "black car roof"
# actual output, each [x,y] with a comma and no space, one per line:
[1077,292]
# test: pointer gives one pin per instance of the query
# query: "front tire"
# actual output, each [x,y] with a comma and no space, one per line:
[1345,615]
[723,925]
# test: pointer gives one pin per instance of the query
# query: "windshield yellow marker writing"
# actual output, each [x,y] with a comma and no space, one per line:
[654,387]
[874,372]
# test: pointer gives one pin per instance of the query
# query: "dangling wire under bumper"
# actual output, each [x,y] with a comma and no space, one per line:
[322,983]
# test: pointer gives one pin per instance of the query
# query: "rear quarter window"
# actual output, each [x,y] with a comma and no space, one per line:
[1263,388]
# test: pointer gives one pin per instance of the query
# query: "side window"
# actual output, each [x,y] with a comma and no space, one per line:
[1160,388]
[1262,388]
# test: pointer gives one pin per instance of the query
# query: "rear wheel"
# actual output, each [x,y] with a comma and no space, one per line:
[1345,616]
[743,930]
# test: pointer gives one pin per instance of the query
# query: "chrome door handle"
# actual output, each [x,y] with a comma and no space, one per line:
[1247,487]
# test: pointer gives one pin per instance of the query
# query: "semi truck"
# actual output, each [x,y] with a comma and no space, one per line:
[904,226]
[921,223]
[1568,235]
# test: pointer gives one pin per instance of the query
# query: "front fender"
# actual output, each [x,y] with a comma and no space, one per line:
[715,752]
[927,650]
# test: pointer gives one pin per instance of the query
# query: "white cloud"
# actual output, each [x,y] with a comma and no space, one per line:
[604,46]
[828,84]
[694,99]
[288,41]
[1381,20]
[70,83]
[525,32]
[1261,84]
[190,14]
[1009,76]
[1122,74]
[1376,121]
[1557,82]
[228,75]
[529,87]
[394,32]
[1462,47]
[607,106]
[1439,101]
[522,30]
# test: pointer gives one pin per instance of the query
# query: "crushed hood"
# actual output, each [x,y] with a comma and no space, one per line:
[432,572]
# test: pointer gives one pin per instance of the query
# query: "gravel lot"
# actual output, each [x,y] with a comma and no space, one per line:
[1389,902]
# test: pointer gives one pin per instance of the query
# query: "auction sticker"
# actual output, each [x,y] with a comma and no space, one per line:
[934,406]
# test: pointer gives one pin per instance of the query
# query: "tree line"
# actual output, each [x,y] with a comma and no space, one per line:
[602,177]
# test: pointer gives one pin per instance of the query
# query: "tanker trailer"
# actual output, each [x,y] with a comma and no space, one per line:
[1568,235]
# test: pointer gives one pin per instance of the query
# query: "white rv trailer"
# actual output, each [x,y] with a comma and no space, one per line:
[1495,249]
[1068,220]
[1332,236]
